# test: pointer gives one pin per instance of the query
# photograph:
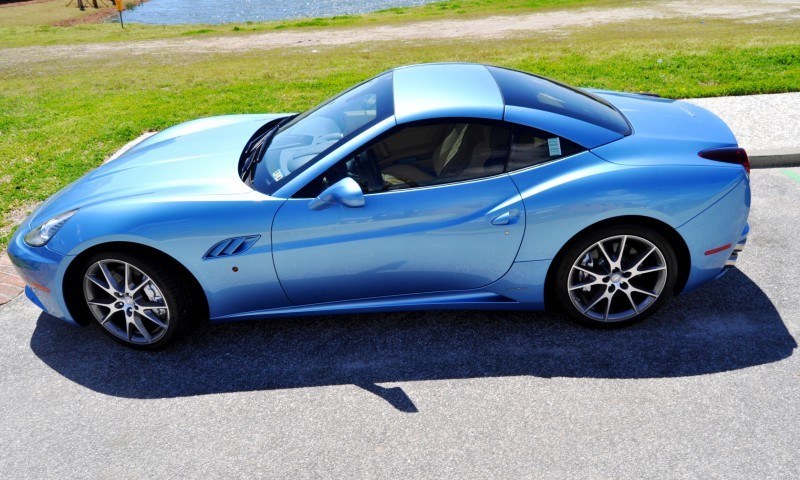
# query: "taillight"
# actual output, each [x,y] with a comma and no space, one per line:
[728,155]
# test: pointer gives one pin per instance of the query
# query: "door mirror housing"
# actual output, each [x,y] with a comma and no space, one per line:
[344,192]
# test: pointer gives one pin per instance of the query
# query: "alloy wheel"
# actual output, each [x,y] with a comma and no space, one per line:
[617,278]
[126,302]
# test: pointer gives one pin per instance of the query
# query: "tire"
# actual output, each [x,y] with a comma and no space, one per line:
[145,313]
[601,288]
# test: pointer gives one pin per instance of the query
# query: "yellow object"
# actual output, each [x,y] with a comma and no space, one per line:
[119,5]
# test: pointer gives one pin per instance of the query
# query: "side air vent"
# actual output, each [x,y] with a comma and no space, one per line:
[231,246]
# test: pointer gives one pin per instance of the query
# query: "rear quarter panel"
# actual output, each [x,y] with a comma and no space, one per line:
[721,224]
[564,197]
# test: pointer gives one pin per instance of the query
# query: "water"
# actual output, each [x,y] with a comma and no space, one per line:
[226,11]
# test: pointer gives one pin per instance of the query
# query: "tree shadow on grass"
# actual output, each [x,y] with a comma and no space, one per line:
[728,325]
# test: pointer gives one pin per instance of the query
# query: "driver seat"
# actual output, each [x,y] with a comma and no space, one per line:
[447,157]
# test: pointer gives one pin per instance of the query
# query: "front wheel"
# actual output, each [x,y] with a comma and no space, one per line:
[138,303]
[616,276]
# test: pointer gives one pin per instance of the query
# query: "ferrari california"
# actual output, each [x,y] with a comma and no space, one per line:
[436,186]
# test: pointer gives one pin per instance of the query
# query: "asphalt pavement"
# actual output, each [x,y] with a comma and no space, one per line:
[707,388]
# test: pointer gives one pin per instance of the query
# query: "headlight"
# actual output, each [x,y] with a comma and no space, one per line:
[44,232]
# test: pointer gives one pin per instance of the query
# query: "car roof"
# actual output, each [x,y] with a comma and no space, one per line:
[446,90]
[471,90]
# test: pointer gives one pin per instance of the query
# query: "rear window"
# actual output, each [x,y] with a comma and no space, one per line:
[532,147]
[525,90]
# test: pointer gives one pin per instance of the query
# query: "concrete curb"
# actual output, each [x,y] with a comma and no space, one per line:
[778,157]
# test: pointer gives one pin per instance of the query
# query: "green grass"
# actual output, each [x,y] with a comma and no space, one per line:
[60,119]
[16,31]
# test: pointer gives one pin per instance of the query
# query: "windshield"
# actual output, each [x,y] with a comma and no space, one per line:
[308,136]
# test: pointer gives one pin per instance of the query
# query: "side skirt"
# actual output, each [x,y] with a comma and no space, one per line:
[522,288]
[428,301]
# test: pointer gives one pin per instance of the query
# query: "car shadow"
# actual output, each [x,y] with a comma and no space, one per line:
[728,325]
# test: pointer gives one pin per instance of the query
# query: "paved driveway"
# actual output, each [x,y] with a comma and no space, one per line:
[707,388]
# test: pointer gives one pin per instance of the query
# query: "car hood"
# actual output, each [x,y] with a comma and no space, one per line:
[194,158]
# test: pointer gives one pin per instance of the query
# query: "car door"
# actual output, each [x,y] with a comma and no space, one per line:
[439,214]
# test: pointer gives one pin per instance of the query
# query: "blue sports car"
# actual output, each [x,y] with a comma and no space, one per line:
[436,186]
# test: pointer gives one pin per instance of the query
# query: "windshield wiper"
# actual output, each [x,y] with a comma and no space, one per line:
[258,147]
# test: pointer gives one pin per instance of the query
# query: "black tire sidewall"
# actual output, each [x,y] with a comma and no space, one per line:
[590,238]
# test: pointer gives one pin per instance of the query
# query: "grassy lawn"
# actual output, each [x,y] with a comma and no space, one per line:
[33,25]
[60,119]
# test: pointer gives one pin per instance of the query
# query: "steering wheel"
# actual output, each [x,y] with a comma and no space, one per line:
[367,171]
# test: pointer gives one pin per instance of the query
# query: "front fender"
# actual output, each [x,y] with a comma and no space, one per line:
[185,229]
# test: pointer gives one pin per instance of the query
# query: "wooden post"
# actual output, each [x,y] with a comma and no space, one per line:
[119,10]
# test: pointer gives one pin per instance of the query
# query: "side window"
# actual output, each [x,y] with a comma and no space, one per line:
[418,156]
[532,147]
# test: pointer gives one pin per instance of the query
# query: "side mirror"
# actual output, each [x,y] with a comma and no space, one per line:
[344,192]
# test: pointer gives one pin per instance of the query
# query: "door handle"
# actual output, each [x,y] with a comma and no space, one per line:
[508,218]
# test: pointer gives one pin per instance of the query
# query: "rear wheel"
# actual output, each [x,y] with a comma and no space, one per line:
[616,276]
[138,303]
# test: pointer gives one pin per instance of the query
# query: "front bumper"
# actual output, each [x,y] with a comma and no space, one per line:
[43,272]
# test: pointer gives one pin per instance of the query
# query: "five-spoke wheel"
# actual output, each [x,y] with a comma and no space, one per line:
[616,276]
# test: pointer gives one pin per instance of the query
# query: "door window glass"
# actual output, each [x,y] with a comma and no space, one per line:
[423,155]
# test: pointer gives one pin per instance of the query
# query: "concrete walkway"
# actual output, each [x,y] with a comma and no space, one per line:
[767,126]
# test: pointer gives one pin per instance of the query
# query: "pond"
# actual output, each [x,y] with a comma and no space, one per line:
[227,11]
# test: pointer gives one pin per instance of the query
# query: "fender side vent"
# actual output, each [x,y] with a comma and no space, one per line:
[231,246]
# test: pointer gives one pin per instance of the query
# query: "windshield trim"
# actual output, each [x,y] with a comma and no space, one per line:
[261,132]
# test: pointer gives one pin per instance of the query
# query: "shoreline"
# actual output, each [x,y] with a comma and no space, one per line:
[98,16]
[92,15]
